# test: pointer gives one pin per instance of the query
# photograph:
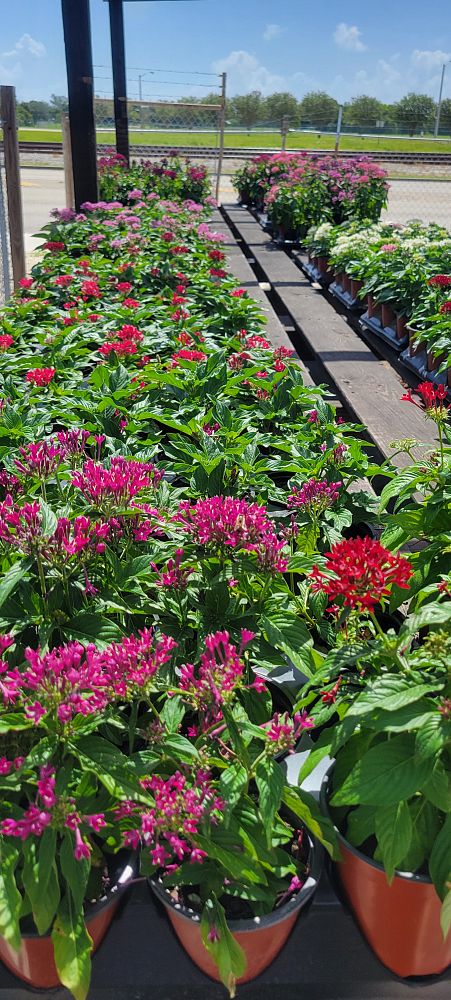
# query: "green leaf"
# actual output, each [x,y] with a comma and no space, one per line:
[232,784]
[270,781]
[72,947]
[225,951]
[115,771]
[180,747]
[425,827]
[394,832]
[76,873]
[433,735]
[437,788]
[49,520]
[387,773]
[390,693]
[287,632]
[10,898]
[305,807]
[12,578]
[360,824]
[236,863]
[40,879]
[92,628]
[14,721]
[445,915]
[440,859]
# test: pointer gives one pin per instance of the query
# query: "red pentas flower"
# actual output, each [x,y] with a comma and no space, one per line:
[445,307]
[53,245]
[433,397]
[440,280]
[5,341]
[63,280]
[361,571]
[187,355]
[40,376]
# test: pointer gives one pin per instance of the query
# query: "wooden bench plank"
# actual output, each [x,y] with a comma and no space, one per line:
[369,387]
[242,271]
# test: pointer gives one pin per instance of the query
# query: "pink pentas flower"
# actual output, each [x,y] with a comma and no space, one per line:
[39,459]
[118,483]
[315,496]
[283,732]
[6,341]
[176,576]
[131,664]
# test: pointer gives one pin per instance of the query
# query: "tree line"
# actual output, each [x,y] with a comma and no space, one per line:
[413,114]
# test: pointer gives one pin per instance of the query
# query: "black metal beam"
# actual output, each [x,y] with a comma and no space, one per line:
[77,41]
[119,77]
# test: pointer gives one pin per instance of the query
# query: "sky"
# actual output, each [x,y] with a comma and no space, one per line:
[382,48]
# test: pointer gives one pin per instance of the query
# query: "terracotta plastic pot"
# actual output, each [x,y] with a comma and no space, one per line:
[387,315]
[401,921]
[34,962]
[401,326]
[261,939]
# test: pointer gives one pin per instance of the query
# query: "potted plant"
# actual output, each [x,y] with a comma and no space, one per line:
[388,792]
[229,847]
[63,778]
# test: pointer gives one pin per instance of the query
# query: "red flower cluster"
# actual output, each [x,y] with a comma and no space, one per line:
[40,376]
[53,245]
[187,355]
[433,398]
[363,572]
[440,280]
[445,307]
[125,341]
[5,341]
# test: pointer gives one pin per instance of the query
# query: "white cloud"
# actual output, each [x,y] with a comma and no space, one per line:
[428,59]
[26,44]
[272,31]
[348,36]
[246,73]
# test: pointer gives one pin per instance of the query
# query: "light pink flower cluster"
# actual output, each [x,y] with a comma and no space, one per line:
[315,496]
[216,681]
[168,830]
[229,523]
[117,484]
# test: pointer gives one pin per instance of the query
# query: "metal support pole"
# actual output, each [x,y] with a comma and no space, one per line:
[222,115]
[338,135]
[67,160]
[439,105]
[119,77]
[12,173]
[77,41]
[284,131]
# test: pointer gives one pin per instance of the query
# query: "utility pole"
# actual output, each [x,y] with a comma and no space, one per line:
[338,135]
[439,104]
[222,115]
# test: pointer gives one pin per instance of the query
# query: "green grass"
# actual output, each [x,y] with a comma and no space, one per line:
[260,140]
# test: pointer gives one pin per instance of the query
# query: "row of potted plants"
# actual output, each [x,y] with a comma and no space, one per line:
[177,518]
[300,190]
[399,273]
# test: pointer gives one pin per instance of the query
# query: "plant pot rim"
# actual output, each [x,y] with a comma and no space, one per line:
[324,802]
[114,894]
[253,924]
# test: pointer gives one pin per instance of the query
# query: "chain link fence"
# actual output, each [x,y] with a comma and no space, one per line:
[5,250]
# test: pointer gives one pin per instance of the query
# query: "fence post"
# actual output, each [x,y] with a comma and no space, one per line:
[67,160]
[339,121]
[222,115]
[284,131]
[12,173]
